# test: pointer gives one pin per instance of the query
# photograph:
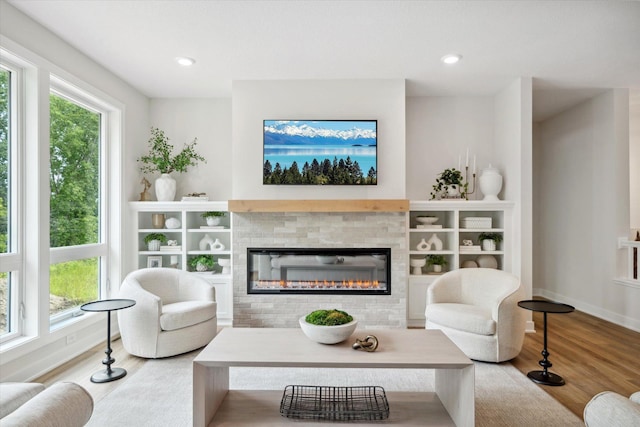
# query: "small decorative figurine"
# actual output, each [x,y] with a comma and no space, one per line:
[370,343]
[144,195]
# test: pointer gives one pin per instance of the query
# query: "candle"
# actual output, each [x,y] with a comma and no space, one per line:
[467,162]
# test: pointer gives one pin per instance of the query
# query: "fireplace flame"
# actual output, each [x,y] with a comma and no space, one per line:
[317,284]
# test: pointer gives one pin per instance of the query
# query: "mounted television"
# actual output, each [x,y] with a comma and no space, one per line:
[320,152]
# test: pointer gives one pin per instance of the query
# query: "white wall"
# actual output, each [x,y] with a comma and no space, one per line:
[634,157]
[208,120]
[439,130]
[581,177]
[45,349]
[255,101]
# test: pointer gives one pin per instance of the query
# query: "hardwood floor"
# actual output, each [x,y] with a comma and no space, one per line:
[592,355]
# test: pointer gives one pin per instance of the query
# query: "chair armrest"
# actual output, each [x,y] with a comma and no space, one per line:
[610,409]
[63,404]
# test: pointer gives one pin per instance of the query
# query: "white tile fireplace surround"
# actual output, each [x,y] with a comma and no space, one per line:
[320,230]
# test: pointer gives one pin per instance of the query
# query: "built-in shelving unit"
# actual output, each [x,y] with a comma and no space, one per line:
[457,221]
[188,235]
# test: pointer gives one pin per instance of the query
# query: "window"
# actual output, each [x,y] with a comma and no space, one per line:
[9,255]
[76,233]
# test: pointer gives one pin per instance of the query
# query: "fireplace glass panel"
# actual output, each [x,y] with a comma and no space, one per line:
[327,271]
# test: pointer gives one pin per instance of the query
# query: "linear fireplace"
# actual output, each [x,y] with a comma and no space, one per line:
[362,271]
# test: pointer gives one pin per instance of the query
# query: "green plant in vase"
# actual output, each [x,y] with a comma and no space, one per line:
[437,261]
[154,240]
[213,217]
[449,184]
[161,159]
[202,263]
[489,241]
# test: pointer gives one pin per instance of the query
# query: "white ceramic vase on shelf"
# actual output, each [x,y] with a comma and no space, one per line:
[165,188]
[488,245]
[217,245]
[490,183]
[213,220]
[205,242]
[435,242]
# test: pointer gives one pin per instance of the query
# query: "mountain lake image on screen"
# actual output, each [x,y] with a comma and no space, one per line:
[320,152]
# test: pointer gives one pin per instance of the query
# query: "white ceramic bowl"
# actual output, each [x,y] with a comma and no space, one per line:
[426,219]
[327,259]
[328,334]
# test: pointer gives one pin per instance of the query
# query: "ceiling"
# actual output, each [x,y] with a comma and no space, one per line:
[572,49]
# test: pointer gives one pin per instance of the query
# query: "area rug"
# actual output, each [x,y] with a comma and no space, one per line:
[159,394]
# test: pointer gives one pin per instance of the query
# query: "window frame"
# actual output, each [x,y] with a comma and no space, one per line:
[13,260]
[100,250]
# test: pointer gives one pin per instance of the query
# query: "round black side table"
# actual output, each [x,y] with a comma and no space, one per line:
[108,305]
[545,377]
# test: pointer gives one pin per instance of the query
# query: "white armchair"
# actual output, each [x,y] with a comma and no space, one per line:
[175,312]
[610,409]
[477,309]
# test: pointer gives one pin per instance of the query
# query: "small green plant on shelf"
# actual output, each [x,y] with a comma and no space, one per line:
[449,184]
[155,236]
[328,317]
[436,260]
[202,262]
[496,237]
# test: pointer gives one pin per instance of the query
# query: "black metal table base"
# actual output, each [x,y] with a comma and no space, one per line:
[546,378]
[106,376]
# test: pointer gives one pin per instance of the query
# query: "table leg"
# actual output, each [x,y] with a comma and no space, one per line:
[108,374]
[210,386]
[545,377]
[456,390]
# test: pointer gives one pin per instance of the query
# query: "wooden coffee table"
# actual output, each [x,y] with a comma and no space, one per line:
[214,404]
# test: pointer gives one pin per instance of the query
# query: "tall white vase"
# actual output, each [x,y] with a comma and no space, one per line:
[165,188]
[490,183]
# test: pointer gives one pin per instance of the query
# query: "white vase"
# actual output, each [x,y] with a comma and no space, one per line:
[154,245]
[201,267]
[488,245]
[205,242]
[213,220]
[217,245]
[165,188]
[490,183]
[437,269]
[423,246]
[435,242]
[453,191]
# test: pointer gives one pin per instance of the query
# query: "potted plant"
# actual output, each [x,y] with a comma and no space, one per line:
[153,241]
[449,184]
[437,261]
[202,262]
[213,218]
[328,326]
[161,159]
[490,240]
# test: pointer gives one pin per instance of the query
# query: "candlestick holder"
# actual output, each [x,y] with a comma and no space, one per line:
[466,179]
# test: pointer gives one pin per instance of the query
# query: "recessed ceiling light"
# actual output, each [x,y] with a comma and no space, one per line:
[451,58]
[184,61]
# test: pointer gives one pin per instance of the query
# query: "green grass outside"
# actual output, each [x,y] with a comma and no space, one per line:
[76,282]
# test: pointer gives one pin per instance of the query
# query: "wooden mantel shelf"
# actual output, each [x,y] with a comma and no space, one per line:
[362,205]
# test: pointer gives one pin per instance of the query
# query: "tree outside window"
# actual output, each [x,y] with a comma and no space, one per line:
[74,201]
